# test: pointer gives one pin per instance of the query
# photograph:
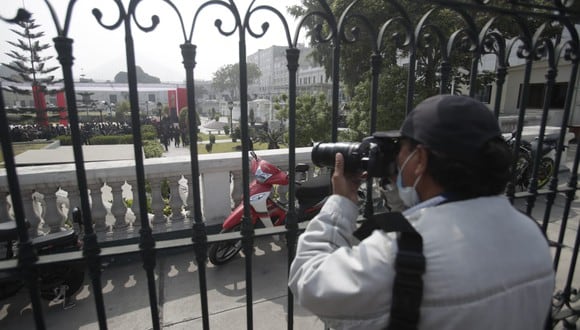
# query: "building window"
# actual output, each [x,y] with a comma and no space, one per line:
[151,97]
[536,95]
[484,94]
[113,98]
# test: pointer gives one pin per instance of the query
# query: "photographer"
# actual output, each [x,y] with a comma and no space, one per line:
[488,266]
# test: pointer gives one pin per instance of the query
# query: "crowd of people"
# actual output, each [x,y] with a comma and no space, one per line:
[169,133]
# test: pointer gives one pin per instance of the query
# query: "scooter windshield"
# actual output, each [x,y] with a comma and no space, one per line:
[262,176]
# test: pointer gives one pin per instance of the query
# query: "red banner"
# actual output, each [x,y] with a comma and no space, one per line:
[40,106]
[172,97]
[181,99]
[61,105]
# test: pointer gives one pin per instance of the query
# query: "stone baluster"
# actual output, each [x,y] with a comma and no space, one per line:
[135,203]
[188,204]
[4,215]
[118,208]
[30,201]
[157,203]
[237,189]
[98,210]
[51,215]
[175,201]
[74,200]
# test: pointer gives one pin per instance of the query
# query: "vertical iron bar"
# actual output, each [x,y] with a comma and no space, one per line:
[510,190]
[573,183]
[335,85]
[26,255]
[376,62]
[411,78]
[292,55]
[91,248]
[554,180]
[199,235]
[473,75]
[533,187]
[247,227]
[501,73]
[445,70]
[147,242]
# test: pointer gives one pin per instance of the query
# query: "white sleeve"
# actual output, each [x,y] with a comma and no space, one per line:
[333,275]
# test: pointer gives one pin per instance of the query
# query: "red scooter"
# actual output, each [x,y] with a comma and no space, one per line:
[267,210]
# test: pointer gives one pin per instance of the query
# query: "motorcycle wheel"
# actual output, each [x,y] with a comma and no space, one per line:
[72,276]
[522,165]
[545,171]
[222,252]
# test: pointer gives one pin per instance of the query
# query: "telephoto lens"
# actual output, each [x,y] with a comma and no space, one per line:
[323,155]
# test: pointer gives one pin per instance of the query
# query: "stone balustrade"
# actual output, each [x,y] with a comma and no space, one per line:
[50,192]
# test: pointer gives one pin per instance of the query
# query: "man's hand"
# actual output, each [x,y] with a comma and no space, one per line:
[345,185]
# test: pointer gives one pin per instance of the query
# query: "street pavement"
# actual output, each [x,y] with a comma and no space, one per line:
[127,300]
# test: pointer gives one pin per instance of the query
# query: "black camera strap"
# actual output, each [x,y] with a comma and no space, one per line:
[409,268]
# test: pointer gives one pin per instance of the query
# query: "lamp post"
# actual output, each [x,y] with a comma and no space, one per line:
[231,107]
[94,107]
[159,107]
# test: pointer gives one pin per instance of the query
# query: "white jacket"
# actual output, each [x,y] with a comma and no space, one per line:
[488,267]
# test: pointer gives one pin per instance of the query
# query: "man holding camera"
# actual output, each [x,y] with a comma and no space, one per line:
[486,265]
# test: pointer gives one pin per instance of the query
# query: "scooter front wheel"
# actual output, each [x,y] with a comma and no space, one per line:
[71,276]
[222,252]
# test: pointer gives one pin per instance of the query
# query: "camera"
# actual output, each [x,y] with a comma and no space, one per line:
[376,154]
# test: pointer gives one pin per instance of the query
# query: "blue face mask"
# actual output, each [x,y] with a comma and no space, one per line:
[408,195]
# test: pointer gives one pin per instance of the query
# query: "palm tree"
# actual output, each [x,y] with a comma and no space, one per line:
[273,137]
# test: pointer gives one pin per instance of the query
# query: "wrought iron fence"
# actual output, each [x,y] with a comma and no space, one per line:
[542,35]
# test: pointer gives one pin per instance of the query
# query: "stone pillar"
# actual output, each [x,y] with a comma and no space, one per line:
[118,208]
[237,189]
[216,197]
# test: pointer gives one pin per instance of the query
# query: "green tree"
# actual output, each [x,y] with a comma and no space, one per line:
[352,57]
[123,110]
[227,78]
[390,104]
[184,118]
[313,119]
[252,117]
[30,66]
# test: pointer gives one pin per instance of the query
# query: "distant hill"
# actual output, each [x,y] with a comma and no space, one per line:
[142,77]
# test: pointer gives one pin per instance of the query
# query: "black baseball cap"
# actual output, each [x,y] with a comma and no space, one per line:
[456,126]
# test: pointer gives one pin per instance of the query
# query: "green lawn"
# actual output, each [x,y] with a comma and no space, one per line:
[228,147]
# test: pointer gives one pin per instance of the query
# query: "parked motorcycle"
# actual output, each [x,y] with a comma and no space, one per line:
[267,210]
[526,156]
[56,281]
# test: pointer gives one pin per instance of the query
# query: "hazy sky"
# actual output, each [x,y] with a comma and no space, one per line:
[100,53]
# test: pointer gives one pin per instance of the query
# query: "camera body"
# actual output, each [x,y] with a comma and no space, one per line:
[376,154]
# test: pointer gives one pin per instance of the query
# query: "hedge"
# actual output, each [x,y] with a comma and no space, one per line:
[152,149]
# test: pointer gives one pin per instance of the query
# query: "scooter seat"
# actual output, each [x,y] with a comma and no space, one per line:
[314,189]
[61,238]
[8,231]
